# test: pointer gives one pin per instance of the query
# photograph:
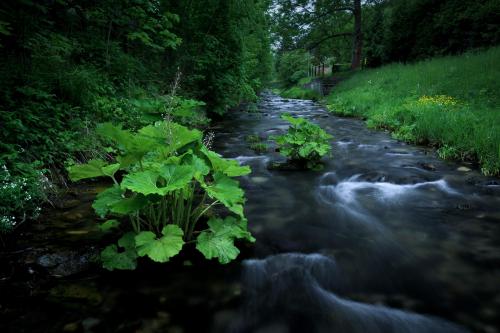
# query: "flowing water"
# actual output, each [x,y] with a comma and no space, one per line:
[386,238]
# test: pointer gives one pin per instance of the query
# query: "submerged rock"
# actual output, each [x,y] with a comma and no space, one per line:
[76,292]
[259,180]
[427,166]
[287,166]
[68,262]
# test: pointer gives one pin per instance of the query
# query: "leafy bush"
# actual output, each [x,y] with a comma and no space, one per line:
[21,197]
[256,143]
[252,138]
[293,66]
[171,181]
[304,143]
[259,147]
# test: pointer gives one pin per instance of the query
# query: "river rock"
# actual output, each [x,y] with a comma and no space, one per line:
[427,166]
[68,262]
[75,292]
[71,327]
[464,169]
[259,180]
[286,166]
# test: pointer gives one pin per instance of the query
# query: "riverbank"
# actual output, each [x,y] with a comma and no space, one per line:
[451,103]
[358,236]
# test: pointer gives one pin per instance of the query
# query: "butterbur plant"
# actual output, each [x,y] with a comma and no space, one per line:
[168,186]
[304,143]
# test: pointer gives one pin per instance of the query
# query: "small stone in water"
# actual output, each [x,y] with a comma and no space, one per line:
[90,323]
[77,232]
[463,169]
[259,180]
[428,166]
[71,327]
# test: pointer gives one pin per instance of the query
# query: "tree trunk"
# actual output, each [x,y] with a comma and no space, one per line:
[357,37]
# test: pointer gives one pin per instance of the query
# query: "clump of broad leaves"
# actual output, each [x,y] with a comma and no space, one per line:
[304,143]
[168,186]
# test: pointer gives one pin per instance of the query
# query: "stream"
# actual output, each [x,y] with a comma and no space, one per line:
[387,238]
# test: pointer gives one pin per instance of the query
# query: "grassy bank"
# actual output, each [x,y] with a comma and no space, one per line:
[452,103]
[299,91]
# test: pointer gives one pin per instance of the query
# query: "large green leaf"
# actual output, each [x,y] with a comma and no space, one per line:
[115,133]
[176,176]
[109,224]
[198,165]
[167,179]
[228,167]
[134,146]
[218,240]
[129,205]
[173,136]
[212,245]
[92,169]
[111,169]
[231,227]
[160,249]
[144,182]
[227,191]
[106,199]
[125,258]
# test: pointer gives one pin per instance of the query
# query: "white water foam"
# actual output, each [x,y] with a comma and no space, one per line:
[348,190]
[294,284]
[366,146]
[243,160]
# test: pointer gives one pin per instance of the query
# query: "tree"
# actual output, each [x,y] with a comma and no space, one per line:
[357,37]
[312,24]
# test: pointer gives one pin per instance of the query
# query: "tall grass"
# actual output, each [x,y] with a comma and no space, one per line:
[299,91]
[452,103]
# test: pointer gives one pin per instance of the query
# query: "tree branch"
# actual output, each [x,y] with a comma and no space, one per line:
[328,12]
[318,42]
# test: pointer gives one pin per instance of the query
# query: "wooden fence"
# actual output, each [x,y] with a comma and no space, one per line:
[324,70]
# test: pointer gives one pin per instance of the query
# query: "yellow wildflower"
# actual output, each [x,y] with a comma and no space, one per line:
[441,100]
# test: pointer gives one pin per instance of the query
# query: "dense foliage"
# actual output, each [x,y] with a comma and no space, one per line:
[20,197]
[304,143]
[170,181]
[225,55]
[401,30]
[67,65]
[292,66]
[390,31]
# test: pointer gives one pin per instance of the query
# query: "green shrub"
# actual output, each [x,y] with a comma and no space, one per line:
[252,138]
[292,66]
[259,147]
[305,142]
[21,196]
[171,181]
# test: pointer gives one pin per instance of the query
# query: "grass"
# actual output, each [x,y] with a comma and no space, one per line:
[298,91]
[256,144]
[452,103]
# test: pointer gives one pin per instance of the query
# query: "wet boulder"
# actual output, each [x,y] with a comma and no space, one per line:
[68,262]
